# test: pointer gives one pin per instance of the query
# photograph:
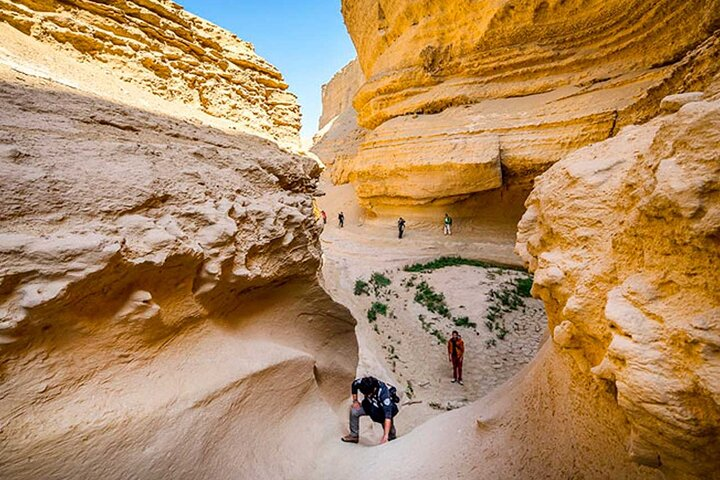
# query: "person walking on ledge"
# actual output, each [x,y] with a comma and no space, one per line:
[324,216]
[448,225]
[379,402]
[456,350]
[341,219]
[401,227]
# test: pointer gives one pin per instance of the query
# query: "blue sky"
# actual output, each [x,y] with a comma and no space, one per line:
[306,40]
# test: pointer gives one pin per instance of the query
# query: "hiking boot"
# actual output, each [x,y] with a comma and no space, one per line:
[350,439]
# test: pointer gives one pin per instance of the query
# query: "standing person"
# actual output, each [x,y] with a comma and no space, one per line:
[448,224]
[324,216]
[456,350]
[401,227]
[380,402]
[341,219]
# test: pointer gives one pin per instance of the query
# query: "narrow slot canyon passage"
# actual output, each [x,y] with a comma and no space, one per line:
[216,216]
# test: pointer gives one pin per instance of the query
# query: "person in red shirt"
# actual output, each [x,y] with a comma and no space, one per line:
[456,350]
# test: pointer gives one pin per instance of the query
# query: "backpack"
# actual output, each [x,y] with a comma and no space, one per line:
[393,394]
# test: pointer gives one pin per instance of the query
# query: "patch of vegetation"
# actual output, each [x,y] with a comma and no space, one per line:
[523,286]
[361,287]
[432,330]
[443,262]
[464,322]
[507,298]
[375,309]
[409,390]
[409,282]
[430,299]
[379,282]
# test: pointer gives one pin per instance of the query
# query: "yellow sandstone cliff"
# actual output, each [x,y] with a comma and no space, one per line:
[624,240]
[158,46]
[462,97]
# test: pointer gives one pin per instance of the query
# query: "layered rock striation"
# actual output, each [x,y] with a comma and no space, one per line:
[158,46]
[624,239]
[339,92]
[339,134]
[454,86]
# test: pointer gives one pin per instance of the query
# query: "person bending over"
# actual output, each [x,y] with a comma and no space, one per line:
[379,402]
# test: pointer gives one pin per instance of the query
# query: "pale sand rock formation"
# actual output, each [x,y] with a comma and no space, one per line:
[158,46]
[160,314]
[507,88]
[338,93]
[624,239]
[159,299]
[339,135]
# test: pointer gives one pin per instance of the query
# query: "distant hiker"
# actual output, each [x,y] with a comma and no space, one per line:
[456,350]
[401,227]
[324,216]
[341,219]
[380,402]
[448,224]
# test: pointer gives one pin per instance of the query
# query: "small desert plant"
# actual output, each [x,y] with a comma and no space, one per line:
[361,287]
[409,390]
[375,309]
[379,282]
[523,286]
[464,322]
[430,299]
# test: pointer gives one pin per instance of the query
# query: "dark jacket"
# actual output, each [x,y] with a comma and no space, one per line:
[378,405]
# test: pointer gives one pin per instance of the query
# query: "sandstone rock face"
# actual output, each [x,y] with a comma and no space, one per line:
[158,46]
[543,77]
[159,305]
[338,93]
[339,135]
[624,239]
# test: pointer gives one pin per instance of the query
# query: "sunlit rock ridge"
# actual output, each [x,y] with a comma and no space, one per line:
[162,48]
[461,96]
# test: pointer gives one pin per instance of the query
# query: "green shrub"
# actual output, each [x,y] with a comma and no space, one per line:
[375,309]
[523,286]
[433,301]
[362,287]
[443,262]
[464,322]
[380,280]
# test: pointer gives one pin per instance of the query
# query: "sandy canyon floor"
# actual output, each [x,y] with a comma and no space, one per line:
[405,317]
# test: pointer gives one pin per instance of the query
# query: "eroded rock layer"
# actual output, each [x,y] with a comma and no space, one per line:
[624,239]
[158,46]
[542,78]
[339,134]
[339,92]
[160,314]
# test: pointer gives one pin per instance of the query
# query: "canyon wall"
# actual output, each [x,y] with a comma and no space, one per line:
[463,97]
[158,46]
[624,240]
[339,92]
[160,313]
[339,134]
